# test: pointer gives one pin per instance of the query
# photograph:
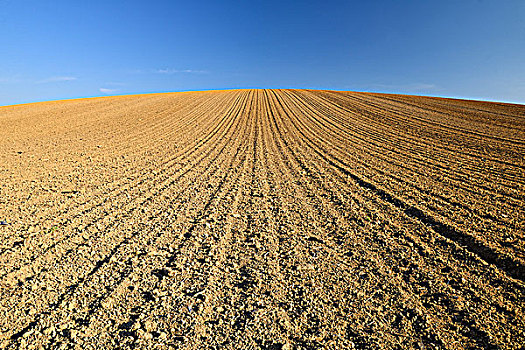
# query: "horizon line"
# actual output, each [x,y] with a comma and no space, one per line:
[273,88]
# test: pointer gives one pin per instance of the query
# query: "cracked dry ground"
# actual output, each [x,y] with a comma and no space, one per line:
[271,219]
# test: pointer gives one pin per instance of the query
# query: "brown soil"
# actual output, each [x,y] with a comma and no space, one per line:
[273,219]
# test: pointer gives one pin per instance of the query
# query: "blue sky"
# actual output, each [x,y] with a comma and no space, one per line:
[67,49]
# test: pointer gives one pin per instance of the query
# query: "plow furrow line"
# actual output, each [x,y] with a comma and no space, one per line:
[512,267]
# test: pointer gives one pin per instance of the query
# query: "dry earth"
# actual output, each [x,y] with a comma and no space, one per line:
[272,219]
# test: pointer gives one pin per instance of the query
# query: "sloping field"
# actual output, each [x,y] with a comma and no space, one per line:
[273,219]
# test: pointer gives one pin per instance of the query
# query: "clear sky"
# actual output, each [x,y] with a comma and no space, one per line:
[66,49]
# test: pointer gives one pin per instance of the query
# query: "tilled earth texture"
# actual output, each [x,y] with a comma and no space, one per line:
[262,219]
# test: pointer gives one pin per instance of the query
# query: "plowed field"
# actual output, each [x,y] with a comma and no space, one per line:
[273,219]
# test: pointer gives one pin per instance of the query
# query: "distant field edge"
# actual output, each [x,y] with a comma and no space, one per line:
[445,98]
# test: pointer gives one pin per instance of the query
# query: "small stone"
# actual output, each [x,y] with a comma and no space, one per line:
[149,325]
[106,304]
[287,346]
[287,323]
[49,330]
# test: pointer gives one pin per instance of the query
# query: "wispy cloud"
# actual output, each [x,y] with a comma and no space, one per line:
[107,91]
[134,71]
[12,80]
[405,87]
[56,79]
[175,71]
